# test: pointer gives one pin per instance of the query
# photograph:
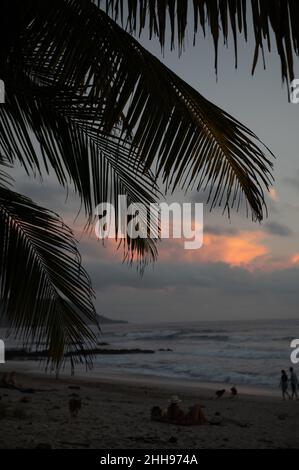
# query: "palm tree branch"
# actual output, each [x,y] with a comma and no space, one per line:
[72,145]
[273,21]
[38,250]
[173,126]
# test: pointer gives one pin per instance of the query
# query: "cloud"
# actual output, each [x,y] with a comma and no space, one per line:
[217,230]
[244,248]
[275,228]
[235,250]
[295,259]
[205,291]
[191,286]
[293,180]
[51,196]
[273,195]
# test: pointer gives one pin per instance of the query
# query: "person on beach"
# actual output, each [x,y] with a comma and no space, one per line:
[294,383]
[3,381]
[9,380]
[284,385]
[195,415]
[174,412]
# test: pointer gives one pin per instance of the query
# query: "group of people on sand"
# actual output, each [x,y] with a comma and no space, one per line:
[9,380]
[175,414]
[284,384]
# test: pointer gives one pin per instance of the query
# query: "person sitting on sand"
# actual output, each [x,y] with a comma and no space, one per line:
[156,412]
[3,381]
[9,380]
[174,412]
[12,379]
[195,415]
[284,385]
[294,383]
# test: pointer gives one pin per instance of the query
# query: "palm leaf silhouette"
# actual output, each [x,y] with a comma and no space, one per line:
[86,101]
[116,104]
[272,21]
[43,285]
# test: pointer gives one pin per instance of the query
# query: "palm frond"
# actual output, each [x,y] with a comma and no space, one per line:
[131,107]
[5,178]
[45,292]
[272,21]
[100,165]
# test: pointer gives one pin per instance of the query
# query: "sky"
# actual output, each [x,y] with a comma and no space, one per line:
[244,270]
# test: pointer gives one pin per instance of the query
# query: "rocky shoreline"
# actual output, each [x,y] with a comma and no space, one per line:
[23,354]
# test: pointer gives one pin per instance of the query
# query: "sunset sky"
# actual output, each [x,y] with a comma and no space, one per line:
[244,270]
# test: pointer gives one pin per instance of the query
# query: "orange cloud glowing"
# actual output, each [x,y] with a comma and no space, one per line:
[246,249]
[273,194]
[295,259]
[238,250]
[235,250]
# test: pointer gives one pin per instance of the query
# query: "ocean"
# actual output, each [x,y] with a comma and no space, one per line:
[250,353]
[247,353]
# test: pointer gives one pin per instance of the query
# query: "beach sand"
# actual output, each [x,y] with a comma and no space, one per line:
[115,413]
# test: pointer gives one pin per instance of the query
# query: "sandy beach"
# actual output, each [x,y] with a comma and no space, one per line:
[115,414]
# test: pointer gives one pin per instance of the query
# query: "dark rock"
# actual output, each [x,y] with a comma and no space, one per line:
[22,354]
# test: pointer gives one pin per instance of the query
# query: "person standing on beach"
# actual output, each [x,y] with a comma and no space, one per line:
[294,383]
[284,385]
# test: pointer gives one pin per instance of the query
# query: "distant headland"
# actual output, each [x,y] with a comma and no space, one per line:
[104,320]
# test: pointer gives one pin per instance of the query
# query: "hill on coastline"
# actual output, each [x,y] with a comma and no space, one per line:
[102,320]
